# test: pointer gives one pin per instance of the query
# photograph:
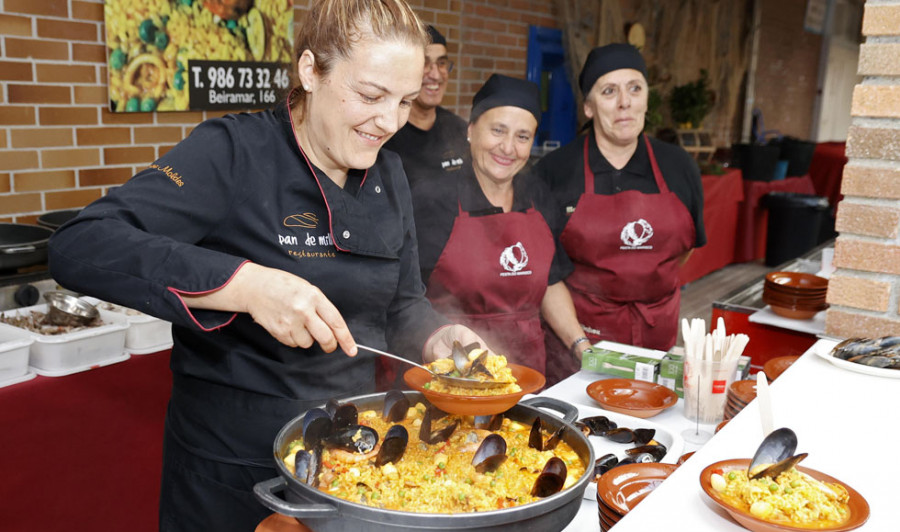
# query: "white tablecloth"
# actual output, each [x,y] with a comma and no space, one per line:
[848,422]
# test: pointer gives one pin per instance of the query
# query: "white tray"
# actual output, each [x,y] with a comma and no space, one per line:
[146,334]
[16,380]
[673,441]
[814,325]
[15,346]
[63,354]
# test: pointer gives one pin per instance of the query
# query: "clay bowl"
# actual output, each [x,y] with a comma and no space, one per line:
[624,487]
[794,314]
[632,397]
[528,379]
[776,366]
[859,508]
[794,298]
[787,301]
[797,280]
[788,290]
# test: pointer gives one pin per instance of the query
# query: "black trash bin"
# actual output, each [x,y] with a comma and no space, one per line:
[794,224]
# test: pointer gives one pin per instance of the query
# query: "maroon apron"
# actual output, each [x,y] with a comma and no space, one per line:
[626,249]
[492,276]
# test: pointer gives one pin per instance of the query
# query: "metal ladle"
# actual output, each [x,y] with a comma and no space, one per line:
[452,381]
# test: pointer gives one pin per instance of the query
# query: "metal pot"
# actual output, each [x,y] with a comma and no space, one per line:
[22,245]
[54,219]
[326,513]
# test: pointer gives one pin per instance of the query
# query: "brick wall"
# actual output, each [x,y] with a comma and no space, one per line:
[61,148]
[787,68]
[864,293]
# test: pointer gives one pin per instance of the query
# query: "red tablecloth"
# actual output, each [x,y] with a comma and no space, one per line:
[827,169]
[750,240]
[84,452]
[721,197]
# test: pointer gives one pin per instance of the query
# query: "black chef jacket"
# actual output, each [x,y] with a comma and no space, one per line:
[437,205]
[237,189]
[563,171]
[433,154]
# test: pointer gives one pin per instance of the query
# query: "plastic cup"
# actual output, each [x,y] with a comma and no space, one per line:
[706,389]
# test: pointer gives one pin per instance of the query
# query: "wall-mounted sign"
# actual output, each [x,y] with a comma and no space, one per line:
[816,13]
[179,55]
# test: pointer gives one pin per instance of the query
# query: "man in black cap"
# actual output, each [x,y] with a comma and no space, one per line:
[433,142]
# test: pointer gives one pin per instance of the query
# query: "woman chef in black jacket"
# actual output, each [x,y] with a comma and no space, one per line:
[269,240]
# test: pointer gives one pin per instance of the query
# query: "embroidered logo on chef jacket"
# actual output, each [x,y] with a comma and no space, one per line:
[453,163]
[307,220]
[514,259]
[635,234]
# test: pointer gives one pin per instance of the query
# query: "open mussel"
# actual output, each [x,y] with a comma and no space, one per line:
[858,349]
[307,465]
[355,439]
[396,406]
[439,435]
[491,423]
[536,438]
[775,455]
[551,479]
[317,426]
[656,452]
[490,454]
[393,445]
[342,415]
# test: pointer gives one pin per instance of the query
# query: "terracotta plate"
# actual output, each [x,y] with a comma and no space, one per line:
[776,366]
[623,487]
[859,508]
[797,280]
[744,391]
[470,405]
[632,397]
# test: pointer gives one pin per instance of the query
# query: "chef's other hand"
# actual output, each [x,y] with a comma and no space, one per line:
[292,310]
[440,344]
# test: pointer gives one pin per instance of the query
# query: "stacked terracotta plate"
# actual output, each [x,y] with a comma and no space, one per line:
[739,394]
[776,366]
[620,489]
[795,295]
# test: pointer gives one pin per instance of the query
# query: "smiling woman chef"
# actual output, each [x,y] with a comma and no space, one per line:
[269,240]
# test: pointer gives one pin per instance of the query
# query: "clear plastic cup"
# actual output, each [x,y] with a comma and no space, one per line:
[706,388]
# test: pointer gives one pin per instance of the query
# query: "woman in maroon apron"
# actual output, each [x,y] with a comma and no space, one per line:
[487,245]
[635,208]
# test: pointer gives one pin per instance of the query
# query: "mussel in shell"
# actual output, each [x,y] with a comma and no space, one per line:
[881,352]
[342,415]
[657,452]
[490,454]
[435,436]
[595,425]
[396,406]
[775,454]
[491,423]
[551,479]
[317,426]
[620,435]
[536,437]
[604,464]
[307,465]
[355,439]
[393,445]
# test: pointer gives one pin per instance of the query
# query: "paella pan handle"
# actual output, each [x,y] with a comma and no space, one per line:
[569,412]
[16,250]
[265,492]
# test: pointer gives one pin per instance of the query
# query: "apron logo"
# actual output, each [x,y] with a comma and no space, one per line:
[514,259]
[635,234]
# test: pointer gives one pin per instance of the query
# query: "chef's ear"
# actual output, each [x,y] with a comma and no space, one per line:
[469,132]
[306,70]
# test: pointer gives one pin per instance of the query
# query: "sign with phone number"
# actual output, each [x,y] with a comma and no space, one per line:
[235,85]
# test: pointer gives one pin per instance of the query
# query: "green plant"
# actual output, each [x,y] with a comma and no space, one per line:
[691,102]
[654,116]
